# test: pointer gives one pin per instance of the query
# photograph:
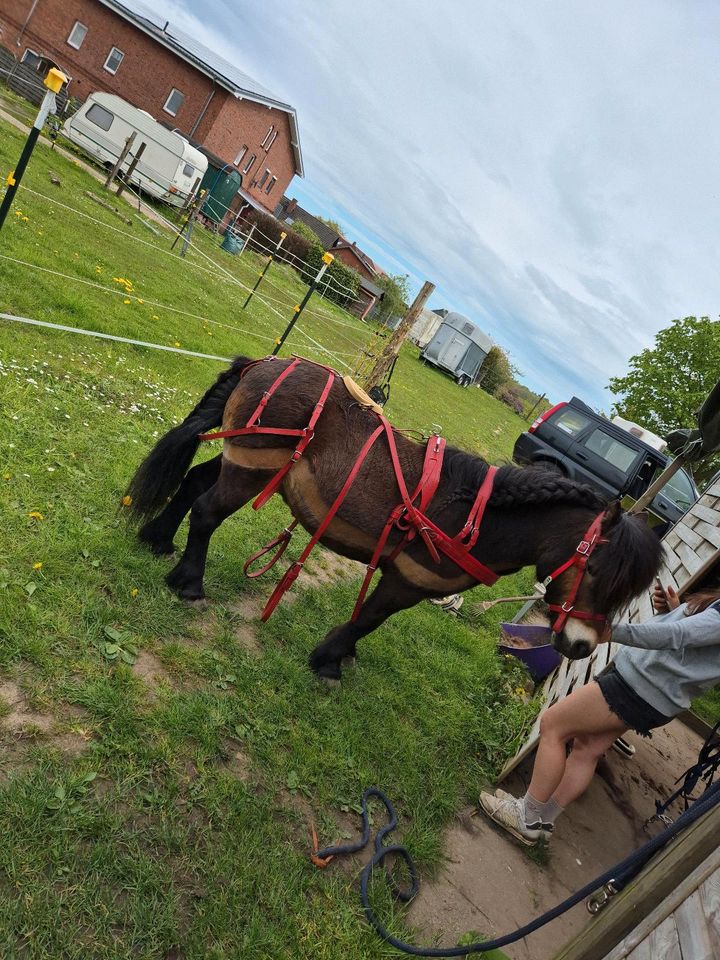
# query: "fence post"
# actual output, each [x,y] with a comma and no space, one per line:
[247,239]
[131,169]
[327,260]
[53,81]
[384,362]
[535,406]
[191,195]
[123,153]
[264,269]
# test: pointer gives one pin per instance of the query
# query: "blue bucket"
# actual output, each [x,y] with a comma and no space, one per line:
[537,653]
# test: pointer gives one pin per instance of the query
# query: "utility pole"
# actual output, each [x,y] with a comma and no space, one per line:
[53,81]
[384,363]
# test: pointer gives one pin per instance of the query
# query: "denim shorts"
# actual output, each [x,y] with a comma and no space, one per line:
[635,712]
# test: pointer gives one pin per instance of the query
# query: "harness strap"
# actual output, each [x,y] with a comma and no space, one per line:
[293,571]
[282,539]
[579,559]
[471,529]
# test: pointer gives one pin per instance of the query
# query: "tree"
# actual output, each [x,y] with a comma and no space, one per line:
[667,383]
[397,295]
[495,370]
[333,224]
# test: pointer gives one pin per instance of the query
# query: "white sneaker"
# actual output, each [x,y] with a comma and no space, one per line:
[450,604]
[509,813]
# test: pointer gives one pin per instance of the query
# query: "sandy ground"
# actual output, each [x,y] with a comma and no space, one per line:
[489,884]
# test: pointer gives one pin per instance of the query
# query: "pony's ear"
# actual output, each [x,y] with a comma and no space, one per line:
[612,515]
[644,515]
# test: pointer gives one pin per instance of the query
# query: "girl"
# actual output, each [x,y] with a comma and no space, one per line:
[662,666]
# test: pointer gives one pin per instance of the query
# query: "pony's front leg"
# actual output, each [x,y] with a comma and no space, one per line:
[235,486]
[391,595]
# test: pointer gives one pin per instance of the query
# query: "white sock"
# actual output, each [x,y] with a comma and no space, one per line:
[535,810]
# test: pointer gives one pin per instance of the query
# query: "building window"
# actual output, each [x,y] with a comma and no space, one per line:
[267,137]
[240,155]
[31,58]
[174,102]
[114,59]
[251,161]
[273,181]
[263,178]
[77,35]
[100,116]
[271,141]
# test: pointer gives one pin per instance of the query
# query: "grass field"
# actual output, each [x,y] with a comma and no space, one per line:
[161,765]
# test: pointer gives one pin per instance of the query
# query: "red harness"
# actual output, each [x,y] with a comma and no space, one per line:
[408,516]
[579,559]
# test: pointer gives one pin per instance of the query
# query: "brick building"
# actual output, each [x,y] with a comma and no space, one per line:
[105,45]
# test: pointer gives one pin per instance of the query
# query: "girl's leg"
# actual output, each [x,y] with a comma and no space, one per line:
[581,764]
[584,713]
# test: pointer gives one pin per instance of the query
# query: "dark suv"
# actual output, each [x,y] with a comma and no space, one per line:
[586,447]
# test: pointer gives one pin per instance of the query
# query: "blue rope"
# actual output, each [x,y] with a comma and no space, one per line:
[620,874]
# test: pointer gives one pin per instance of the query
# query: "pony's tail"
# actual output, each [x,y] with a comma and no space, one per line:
[162,470]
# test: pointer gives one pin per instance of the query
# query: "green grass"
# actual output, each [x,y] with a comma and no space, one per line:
[156,799]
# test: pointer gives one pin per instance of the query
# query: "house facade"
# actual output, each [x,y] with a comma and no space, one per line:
[105,45]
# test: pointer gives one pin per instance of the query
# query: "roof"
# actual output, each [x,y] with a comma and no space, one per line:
[326,234]
[363,258]
[207,61]
[461,323]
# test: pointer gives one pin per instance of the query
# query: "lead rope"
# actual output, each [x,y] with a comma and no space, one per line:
[611,881]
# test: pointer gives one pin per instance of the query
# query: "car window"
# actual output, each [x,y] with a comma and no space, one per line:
[100,116]
[618,454]
[679,489]
[570,421]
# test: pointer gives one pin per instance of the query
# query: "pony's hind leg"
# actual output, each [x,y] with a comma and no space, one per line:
[234,487]
[158,533]
[391,595]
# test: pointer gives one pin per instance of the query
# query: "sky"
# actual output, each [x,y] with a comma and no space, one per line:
[551,165]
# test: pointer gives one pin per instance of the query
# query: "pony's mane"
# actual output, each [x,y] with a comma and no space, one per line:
[626,565]
[517,485]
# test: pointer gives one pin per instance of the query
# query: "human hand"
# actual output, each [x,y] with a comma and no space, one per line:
[664,598]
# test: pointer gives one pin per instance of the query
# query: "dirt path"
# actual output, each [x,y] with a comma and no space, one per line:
[489,884]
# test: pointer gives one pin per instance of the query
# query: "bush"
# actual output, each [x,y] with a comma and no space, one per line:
[347,280]
[509,395]
[305,231]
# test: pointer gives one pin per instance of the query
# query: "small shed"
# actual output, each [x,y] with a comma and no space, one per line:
[459,347]
[425,327]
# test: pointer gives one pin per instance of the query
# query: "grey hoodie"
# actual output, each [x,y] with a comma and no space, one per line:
[670,659]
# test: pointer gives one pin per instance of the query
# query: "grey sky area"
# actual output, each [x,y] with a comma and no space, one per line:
[551,166]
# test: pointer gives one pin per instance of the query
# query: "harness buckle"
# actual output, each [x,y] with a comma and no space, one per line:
[567,607]
[583,547]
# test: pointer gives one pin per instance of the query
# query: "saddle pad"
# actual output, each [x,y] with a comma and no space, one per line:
[357,393]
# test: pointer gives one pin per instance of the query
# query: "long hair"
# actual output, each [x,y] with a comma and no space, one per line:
[697,602]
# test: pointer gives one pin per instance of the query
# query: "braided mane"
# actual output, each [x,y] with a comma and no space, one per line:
[517,485]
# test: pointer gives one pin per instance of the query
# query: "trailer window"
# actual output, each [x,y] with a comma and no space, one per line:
[100,116]
[188,170]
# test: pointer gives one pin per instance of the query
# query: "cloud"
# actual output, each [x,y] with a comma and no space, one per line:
[551,167]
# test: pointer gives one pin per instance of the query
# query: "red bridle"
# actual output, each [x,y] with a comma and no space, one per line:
[579,559]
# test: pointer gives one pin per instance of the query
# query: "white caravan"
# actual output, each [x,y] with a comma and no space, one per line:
[169,165]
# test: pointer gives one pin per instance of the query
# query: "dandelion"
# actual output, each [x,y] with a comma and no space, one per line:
[177,343]
[126,500]
[134,592]
[6,476]
[35,515]
[140,301]
[519,691]
[155,316]
[127,301]
[38,565]
[25,219]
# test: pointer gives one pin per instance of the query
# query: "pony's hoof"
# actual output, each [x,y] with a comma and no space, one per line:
[185,588]
[162,549]
[156,544]
[329,682]
[348,662]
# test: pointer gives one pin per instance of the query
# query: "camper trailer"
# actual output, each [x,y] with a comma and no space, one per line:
[169,165]
[458,347]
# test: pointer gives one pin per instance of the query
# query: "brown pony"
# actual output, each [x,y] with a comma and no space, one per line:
[534,516]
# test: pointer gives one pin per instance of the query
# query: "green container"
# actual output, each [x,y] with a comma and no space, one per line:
[231,243]
[221,185]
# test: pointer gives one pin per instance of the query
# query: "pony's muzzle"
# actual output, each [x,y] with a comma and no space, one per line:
[572,649]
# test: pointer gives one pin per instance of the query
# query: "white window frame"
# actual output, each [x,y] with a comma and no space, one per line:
[271,184]
[248,166]
[273,138]
[72,42]
[166,106]
[107,60]
[263,178]
[33,53]
[241,154]
[268,135]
